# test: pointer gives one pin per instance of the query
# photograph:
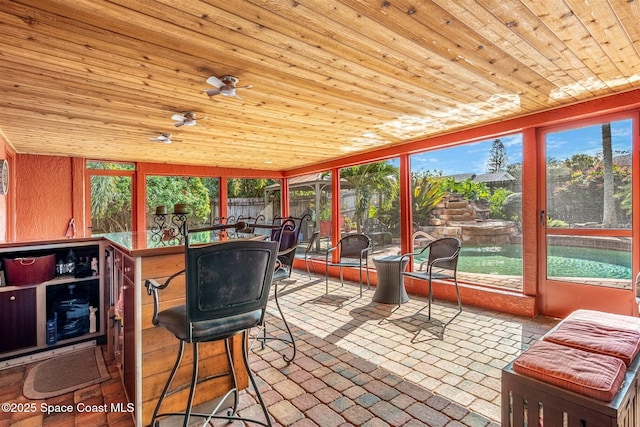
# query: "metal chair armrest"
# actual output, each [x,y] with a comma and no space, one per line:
[287,251]
[412,254]
[333,249]
[153,286]
[444,259]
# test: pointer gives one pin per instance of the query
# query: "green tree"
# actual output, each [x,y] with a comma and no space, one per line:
[580,198]
[110,203]
[625,196]
[110,198]
[581,162]
[246,187]
[496,203]
[169,190]
[498,160]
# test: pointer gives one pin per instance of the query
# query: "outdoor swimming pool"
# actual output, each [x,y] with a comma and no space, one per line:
[562,262]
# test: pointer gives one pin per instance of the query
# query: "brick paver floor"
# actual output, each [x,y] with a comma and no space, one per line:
[358,363]
[364,363]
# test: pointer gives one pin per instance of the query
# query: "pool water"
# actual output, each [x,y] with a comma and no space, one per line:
[562,262]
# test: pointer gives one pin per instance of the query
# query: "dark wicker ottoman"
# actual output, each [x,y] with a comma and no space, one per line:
[530,399]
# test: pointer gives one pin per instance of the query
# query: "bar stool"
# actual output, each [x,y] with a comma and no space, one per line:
[286,235]
[227,288]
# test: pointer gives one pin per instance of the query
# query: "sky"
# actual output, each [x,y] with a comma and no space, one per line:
[588,140]
[467,158]
[472,158]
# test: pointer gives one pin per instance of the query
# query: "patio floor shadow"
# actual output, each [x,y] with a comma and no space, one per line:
[369,364]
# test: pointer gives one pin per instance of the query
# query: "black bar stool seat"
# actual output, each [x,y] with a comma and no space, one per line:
[227,289]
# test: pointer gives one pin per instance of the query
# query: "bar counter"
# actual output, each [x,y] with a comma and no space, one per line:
[149,351]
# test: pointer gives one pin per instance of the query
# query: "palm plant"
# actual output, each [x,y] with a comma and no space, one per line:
[373,179]
[427,193]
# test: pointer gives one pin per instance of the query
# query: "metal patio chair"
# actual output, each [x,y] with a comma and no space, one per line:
[442,263]
[353,251]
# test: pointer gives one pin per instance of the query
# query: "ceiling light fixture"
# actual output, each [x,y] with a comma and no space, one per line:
[165,138]
[229,88]
[225,85]
[187,118]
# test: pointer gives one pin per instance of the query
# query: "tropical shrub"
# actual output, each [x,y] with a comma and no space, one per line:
[497,203]
[580,198]
[469,190]
[427,193]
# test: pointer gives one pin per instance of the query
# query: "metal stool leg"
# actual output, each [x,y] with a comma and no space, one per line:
[458,295]
[430,295]
[326,278]
[253,381]
[231,416]
[291,340]
[234,390]
[194,382]
[168,384]
[188,413]
[308,261]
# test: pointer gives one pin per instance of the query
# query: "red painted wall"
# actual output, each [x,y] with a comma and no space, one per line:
[44,196]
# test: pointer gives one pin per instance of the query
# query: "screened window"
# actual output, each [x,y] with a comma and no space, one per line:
[252,199]
[110,188]
[369,204]
[198,195]
[588,212]
[473,192]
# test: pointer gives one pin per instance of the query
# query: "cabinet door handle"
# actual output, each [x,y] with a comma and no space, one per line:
[12,298]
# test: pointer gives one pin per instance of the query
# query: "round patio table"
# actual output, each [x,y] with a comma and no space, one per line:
[390,288]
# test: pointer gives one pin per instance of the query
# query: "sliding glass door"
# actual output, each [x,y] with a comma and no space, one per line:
[586,218]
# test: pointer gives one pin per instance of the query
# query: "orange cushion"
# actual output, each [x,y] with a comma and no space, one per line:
[598,332]
[617,321]
[590,374]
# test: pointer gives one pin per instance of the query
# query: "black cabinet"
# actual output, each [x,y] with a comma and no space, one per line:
[18,319]
[27,311]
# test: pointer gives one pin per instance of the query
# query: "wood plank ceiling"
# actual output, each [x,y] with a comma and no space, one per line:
[329,78]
